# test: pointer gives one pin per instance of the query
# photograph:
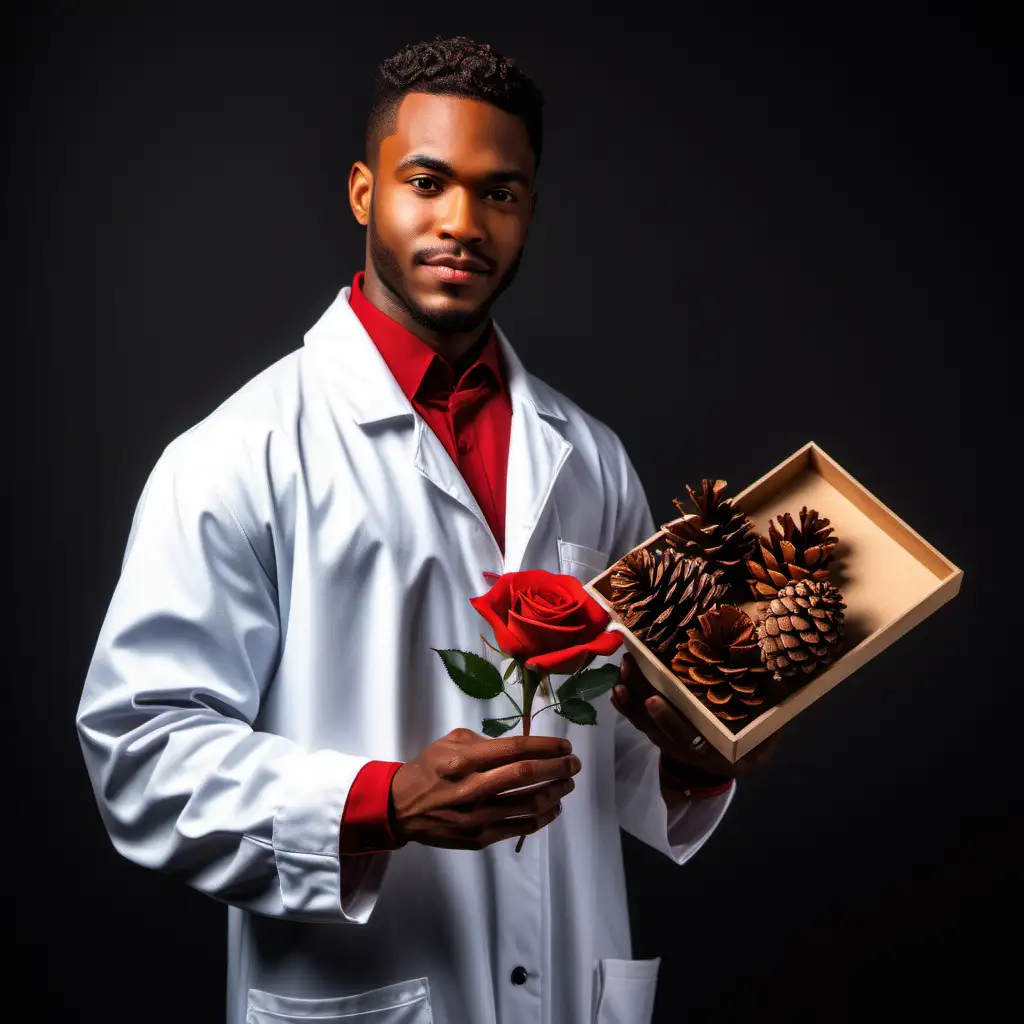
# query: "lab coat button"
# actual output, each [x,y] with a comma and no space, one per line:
[519,976]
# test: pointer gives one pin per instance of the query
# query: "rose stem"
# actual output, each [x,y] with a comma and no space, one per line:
[530,680]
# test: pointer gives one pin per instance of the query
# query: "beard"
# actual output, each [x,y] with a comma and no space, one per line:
[456,321]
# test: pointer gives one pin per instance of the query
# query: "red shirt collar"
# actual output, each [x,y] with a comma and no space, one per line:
[409,357]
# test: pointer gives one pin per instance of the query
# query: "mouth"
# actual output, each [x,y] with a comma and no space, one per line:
[452,275]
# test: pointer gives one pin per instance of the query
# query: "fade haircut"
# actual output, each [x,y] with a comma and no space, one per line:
[458,66]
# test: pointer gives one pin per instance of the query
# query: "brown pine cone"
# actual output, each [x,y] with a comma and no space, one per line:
[800,630]
[795,554]
[721,664]
[657,594]
[720,534]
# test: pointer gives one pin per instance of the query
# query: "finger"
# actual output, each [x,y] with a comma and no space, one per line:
[631,682]
[632,678]
[640,694]
[531,804]
[513,828]
[492,753]
[671,721]
[487,784]
[636,712]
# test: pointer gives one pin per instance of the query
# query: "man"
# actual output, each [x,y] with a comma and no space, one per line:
[264,717]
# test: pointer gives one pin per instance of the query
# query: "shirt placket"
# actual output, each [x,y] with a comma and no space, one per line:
[463,420]
[461,416]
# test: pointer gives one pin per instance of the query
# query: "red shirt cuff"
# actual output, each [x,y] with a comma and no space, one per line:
[365,825]
[692,782]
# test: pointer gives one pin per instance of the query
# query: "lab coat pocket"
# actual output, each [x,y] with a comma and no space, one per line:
[405,1002]
[624,990]
[580,561]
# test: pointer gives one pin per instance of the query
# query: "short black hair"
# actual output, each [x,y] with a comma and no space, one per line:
[458,66]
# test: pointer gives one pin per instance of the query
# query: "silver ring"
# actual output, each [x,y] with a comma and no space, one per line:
[699,743]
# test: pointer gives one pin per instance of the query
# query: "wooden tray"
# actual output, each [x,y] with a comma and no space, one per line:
[890,577]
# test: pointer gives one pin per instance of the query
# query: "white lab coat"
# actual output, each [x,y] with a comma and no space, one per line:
[292,560]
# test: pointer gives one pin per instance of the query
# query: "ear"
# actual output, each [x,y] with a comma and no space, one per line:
[360,190]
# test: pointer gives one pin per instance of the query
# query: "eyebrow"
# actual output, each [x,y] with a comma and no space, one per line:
[433,163]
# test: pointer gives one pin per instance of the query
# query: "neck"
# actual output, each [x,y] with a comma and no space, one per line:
[452,347]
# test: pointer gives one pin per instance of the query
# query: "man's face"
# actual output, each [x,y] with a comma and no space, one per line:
[454,180]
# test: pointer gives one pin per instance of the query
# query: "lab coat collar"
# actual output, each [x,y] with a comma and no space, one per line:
[370,388]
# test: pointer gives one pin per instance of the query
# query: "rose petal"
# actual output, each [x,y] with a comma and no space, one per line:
[594,613]
[542,637]
[494,606]
[541,579]
[571,659]
[543,605]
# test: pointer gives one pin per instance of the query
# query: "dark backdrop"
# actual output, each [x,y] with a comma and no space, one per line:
[754,231]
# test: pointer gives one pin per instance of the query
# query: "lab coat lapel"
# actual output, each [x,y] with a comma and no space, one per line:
[537,452]
[537,449]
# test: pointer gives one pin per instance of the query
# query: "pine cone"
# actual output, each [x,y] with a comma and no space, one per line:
[721,663]
[720,534]
[794,554]
[657,594]
[800,629]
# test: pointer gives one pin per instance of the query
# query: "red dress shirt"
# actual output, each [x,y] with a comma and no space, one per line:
[472,417]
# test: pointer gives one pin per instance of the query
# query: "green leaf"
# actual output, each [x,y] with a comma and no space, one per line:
[590,684]
[512,666]
[496,726]
[471,673]
[578,711]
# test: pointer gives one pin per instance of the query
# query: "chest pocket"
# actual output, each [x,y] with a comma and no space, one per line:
[625,990]
[405,1002]
[580,561]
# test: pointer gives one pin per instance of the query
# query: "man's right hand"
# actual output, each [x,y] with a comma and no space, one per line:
[454,793]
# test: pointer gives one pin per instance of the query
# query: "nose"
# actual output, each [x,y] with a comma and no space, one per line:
[461,217]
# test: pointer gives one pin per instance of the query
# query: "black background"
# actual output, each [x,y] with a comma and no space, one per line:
[754,230]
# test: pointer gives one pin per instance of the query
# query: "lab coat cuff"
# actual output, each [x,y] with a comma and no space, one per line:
[689,824]
[681,830]
[307,828]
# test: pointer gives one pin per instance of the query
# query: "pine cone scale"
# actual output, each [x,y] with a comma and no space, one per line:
[789,642]
[716,532]
[659,593]
[730,684]
[792,554]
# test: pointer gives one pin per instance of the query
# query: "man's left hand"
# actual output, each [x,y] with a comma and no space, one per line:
[666,727]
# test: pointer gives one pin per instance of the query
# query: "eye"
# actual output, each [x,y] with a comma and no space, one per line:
[508,192]
[422,177]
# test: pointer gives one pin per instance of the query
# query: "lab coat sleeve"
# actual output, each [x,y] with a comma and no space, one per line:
[184,783]
[680,832]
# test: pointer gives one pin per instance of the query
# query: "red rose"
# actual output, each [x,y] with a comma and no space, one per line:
[546,621]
